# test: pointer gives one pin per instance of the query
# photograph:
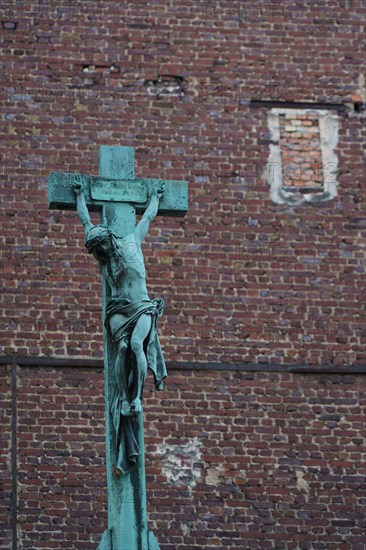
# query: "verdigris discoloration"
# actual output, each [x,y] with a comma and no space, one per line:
[130,336]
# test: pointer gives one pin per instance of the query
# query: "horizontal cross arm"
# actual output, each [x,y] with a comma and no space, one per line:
[100,191]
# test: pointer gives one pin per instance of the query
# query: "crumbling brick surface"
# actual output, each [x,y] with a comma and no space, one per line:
[281,460]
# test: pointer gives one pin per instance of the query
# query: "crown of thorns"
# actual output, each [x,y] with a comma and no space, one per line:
[97,234]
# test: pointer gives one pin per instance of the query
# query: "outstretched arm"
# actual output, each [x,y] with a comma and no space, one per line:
[143,226]
[82,209]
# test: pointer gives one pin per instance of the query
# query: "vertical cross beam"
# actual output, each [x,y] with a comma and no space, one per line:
[127,511]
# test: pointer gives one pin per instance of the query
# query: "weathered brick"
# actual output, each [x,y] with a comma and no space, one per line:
[244,280]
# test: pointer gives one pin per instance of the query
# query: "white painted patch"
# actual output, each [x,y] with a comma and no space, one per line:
[212,477]
[302,485]
[180,463]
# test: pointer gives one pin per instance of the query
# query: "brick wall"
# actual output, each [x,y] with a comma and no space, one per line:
[245,280]
[75,79]
[5,457]
[234,460]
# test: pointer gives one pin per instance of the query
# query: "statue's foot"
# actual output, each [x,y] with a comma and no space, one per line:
[126,408]
[136,406]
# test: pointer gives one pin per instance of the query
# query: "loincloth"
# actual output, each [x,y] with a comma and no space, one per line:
[122,315]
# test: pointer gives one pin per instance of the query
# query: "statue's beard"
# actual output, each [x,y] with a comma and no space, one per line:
[102,257]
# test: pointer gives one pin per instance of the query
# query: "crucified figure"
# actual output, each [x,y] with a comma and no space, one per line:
[131,316]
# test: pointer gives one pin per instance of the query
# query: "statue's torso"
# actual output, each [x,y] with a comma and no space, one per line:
[125,271]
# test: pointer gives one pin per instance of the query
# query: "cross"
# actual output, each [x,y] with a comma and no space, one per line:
[119,196]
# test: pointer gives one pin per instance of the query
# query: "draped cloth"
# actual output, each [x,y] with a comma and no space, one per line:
[121,318]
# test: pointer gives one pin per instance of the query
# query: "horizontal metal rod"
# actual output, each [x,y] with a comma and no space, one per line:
[70,362]
[296,104]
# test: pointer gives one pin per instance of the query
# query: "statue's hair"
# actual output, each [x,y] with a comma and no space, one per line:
[97,234]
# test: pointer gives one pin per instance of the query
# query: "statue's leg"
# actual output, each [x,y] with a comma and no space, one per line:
[122,376]
[139,333]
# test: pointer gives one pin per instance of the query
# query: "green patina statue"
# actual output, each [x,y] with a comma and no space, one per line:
[131,343]
[131,317]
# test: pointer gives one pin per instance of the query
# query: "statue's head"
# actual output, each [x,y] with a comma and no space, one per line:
[97,237]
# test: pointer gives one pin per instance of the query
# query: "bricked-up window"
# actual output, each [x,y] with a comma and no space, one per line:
[302,165]
[300,151]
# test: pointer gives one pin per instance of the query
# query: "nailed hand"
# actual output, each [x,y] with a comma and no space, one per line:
[159,189]
[78,184]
